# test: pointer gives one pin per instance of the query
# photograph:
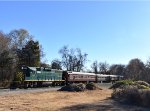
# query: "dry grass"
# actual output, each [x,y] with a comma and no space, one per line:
[50,101]
[96,100]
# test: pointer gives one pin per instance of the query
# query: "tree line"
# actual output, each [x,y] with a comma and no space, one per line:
[18,48]
[134,70]
[75,60]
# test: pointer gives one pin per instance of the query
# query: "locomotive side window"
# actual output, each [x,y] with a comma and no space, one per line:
[47,69]
[38,69]
[28,72]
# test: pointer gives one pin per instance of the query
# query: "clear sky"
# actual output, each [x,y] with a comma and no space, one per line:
[110,31]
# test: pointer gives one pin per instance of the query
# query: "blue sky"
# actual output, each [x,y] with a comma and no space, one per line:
[110,31]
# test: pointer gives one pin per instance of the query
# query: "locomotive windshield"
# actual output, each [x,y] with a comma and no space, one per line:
[27,72]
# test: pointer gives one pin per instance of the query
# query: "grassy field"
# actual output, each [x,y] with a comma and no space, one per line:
[98,100]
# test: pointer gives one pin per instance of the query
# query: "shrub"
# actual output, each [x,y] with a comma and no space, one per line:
[132,95]
[142,87]
[145,98]
[128,95]
[73,87]
[92,86]
[121,84]
[80,87]
[142,83]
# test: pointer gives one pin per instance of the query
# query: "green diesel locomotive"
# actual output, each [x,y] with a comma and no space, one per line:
[39,76]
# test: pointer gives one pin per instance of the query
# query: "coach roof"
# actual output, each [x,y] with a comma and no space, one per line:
[80,73]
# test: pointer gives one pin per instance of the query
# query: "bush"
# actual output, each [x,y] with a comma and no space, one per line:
[73,87]
[121,84]
[128,95]
[92,86]
[132,95]
[126,83]
[145,98]
[80,87]
[142,87]
[142,83]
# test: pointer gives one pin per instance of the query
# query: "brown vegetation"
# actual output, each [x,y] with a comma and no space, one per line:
[133,96]
[80,87]
[96,100]
[51,101]
[132,92]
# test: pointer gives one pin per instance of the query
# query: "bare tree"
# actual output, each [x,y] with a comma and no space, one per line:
[103,67]
[72,59]
[64,51]
[81,59]
[147,70]
[117,69]
[19,38]
[94,67]
[135,70]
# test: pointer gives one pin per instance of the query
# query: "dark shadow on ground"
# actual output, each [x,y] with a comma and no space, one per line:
[105,105]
